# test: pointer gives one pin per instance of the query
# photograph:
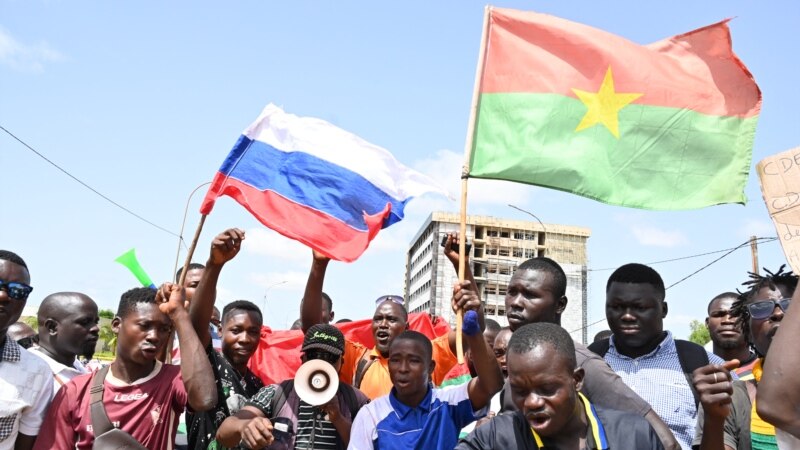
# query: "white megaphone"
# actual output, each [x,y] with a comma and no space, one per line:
[316,382]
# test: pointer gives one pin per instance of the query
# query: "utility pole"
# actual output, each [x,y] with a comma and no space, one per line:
[754,253]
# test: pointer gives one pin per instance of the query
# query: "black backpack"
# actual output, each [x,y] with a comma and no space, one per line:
[690,355]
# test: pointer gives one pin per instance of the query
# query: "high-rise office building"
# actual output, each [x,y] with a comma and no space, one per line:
[498,247]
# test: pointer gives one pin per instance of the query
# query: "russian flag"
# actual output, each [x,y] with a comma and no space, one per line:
[316,183]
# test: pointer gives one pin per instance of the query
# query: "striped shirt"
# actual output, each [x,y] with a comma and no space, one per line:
[313,429]
[659,379]
[388,424]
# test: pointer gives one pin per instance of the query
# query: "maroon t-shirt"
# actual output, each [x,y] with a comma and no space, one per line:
[147,409]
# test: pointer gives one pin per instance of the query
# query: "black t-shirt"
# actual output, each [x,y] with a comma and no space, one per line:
[233,390]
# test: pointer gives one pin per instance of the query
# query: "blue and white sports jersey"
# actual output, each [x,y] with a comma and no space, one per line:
[387,424]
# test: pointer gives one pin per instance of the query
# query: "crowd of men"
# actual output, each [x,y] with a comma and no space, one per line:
[526,386]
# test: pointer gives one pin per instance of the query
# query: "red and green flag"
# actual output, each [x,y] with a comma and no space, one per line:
[667,126]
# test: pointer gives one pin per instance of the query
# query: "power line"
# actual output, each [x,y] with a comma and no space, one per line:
[87,186]
[728,250]
[764,239]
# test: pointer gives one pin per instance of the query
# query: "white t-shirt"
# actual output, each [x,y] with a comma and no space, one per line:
[61,374]
[25,393]
[786,441]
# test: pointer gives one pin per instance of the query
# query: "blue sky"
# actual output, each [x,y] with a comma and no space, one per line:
[143,102]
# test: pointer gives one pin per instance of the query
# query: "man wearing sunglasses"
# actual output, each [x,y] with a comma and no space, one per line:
[368,369]
[277,419]
[25,380]
[728,419]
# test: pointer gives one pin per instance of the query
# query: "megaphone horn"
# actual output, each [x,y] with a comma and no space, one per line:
[316,382]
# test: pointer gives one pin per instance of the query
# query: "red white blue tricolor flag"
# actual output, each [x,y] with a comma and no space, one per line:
[316,183]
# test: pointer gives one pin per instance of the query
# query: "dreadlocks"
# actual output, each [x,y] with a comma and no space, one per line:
[757,282]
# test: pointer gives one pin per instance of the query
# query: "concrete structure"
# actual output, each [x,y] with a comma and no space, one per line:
[498,247]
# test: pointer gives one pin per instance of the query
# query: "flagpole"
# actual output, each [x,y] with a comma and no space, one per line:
[465,175]
[167,357]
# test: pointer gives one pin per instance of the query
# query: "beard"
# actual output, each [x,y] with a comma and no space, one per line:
[730,344]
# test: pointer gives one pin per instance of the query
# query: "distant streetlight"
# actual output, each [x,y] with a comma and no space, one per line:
[270,287]
[530,214]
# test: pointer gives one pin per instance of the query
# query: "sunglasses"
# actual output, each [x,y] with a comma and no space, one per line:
[763,309]
[392,298]
[26,342]
[16,291]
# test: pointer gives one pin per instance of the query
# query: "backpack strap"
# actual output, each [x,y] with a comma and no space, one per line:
[350,399]
[282,391]
[691,357]
[100,421]
[600,347]
[363,365]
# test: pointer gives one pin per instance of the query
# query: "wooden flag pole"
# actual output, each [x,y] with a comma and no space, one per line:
[191,249]
[167,357]
[465,175]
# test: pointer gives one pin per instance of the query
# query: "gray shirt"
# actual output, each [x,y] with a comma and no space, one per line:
[736,432]
[601,385]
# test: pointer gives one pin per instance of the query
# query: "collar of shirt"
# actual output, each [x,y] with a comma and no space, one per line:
[666,345]
[11,351]
[56,366]
[597,436]
[402,410]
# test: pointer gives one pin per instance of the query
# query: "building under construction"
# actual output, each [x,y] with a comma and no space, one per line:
[498,247]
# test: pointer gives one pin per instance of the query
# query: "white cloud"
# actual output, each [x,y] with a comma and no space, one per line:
[445,166]
[263,241]
[756,227]
[26,57]
[656,237]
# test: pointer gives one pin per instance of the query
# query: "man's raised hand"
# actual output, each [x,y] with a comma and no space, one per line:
[170,298]
[226,246]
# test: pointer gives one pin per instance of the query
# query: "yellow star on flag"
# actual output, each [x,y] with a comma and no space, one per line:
[603,106]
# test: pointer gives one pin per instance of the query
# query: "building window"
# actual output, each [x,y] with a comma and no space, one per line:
[503,252]
[504,234]
[492,233]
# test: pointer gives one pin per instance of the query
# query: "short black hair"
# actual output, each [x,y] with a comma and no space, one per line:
[548,265]
[416,336]
[192,266]
[637,273]
[757,282]
[492,325]
[532,335]
[344,320]
[132,297]
[7,255]
[327,299]
[732,295]
[605,334]
[241,305]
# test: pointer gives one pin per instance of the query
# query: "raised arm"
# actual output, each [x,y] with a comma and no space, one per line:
[451,252]
[311,306]
[224,248]
[778,396]
[195,367]
[490,379]
[714,386]
[466,298]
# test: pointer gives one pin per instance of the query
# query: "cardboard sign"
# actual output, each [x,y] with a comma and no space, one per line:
[780,185]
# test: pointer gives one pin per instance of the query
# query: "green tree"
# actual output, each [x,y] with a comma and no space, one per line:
[106,313]
[32,322]
[699,334]
[109,339]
